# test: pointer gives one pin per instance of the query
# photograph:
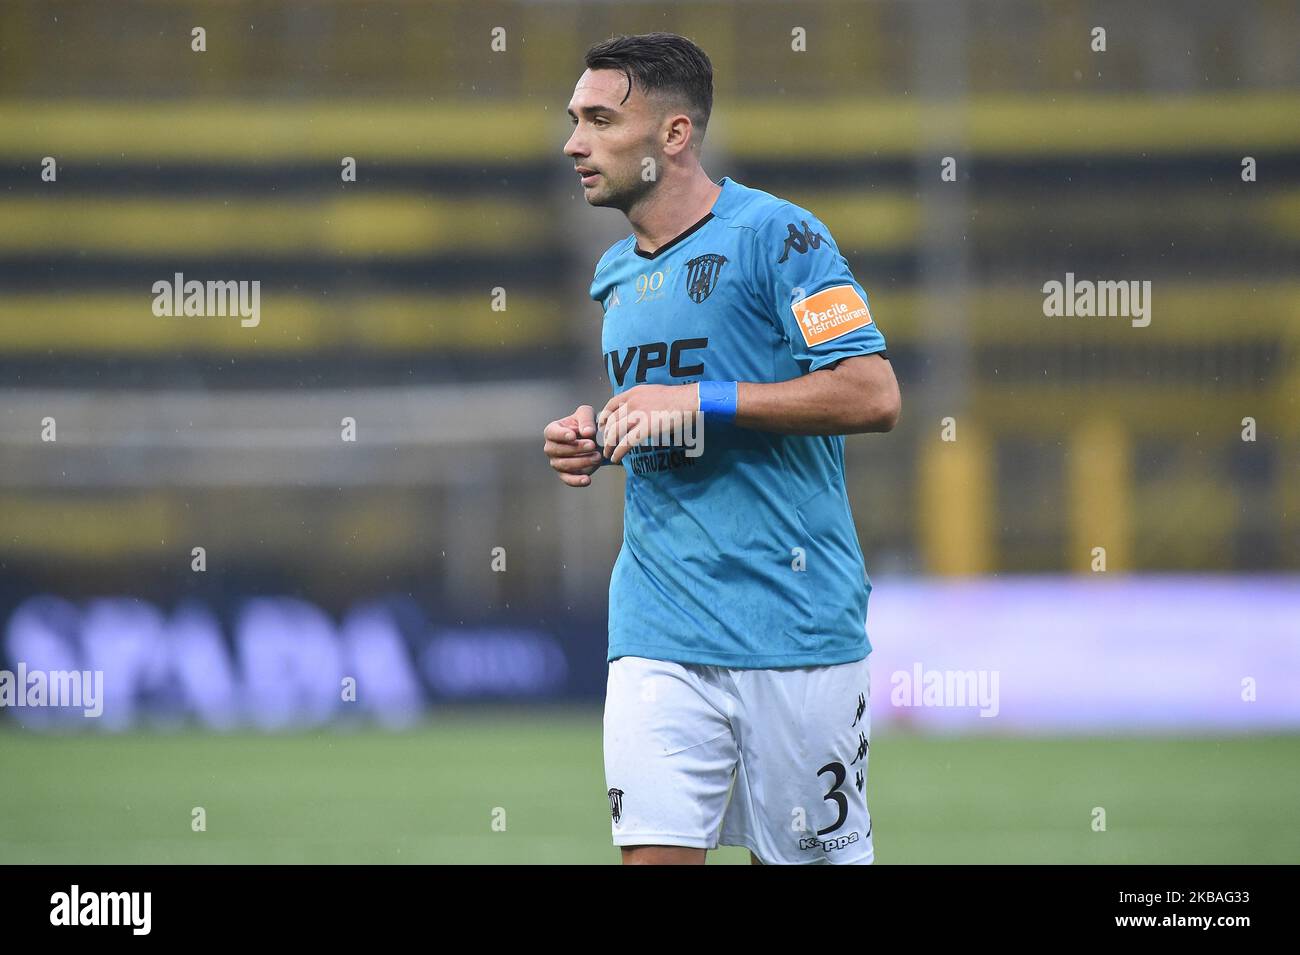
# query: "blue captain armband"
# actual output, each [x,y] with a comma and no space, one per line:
[718,401]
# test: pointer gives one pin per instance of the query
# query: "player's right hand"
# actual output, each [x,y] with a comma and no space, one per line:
[570,445]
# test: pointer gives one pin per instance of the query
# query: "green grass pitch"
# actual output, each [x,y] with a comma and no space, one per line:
[430,794]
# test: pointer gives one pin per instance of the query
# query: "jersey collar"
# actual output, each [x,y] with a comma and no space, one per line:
[717,207]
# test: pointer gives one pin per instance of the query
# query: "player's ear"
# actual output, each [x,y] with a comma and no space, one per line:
[678,133]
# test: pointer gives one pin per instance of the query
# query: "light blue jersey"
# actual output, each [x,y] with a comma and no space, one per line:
[745,555]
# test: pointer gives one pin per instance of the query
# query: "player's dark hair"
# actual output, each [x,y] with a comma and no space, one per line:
[661,63]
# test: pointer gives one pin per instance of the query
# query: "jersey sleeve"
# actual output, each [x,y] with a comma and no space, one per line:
[806,289]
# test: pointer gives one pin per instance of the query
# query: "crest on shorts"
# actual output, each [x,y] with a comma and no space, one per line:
[616,804]
[702,275]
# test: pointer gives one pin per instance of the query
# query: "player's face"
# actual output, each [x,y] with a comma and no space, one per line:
[613,134]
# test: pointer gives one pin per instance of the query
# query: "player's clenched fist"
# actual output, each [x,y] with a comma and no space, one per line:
[642,412]
[571,446]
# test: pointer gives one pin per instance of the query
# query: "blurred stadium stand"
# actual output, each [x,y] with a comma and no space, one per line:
[377,295]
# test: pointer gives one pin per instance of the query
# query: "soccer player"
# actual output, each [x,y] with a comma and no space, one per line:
[736,710]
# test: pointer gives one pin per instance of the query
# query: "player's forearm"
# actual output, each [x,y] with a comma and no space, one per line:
[850,398]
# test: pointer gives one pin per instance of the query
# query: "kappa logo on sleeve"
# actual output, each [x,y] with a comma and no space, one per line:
[830,313]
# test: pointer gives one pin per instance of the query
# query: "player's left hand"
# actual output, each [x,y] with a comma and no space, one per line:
[633,416]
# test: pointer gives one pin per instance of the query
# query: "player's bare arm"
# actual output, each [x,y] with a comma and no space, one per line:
[857,395]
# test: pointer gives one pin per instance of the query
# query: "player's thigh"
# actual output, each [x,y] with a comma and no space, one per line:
[663,855]
[805,744]
[669,755]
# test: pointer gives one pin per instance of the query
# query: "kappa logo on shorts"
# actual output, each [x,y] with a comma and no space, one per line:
[863,748]
[829,845]
[616,804]
[831,313]
[862,708]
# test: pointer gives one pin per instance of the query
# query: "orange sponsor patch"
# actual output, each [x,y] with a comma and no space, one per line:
[830,313]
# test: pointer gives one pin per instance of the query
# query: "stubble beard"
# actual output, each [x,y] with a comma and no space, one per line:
[622,195]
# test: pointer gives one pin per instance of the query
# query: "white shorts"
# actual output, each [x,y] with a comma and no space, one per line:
[773,760]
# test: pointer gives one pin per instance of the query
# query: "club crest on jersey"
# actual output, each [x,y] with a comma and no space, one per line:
[702,275]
